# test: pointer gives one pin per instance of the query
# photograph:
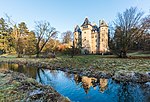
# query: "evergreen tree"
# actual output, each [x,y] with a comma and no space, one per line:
[5,37]
[21,39]
[25,40]
[31,44]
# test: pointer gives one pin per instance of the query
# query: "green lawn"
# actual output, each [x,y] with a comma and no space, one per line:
[140,54]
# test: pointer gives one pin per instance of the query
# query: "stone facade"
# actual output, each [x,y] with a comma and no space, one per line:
[91,38]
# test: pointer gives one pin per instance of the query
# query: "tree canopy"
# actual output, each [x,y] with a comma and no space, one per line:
[128,29]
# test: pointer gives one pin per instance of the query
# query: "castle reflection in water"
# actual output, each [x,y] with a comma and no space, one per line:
[88,82]
[85,89]
[85,81]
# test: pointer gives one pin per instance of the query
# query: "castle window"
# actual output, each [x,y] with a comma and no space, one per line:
[85,26]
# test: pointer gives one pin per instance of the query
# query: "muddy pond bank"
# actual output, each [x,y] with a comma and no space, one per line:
[16,86]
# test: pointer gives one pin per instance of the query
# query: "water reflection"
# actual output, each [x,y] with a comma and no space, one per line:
[88,82]
[94,89]
[77,78]
[29,71]
[86,89]
[103,84]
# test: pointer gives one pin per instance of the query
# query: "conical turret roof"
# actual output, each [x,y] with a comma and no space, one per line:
[86,22]
[103,23]
[77,29]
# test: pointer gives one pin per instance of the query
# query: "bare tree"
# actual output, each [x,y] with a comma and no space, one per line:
[146,22]
[44,32]
[146,37]
[128,28]
[67,36]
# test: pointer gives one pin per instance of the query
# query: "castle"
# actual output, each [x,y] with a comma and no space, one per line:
[91,38]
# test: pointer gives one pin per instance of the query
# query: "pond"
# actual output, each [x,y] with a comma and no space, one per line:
[86,89]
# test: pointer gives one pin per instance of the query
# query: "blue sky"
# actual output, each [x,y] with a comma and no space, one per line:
[65,14]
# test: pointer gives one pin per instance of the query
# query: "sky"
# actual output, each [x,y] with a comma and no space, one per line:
[65,14]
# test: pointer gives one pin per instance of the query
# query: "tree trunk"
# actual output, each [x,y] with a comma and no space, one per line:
[123,54]
[37,50]
[72,53]
[19,55]
[37,55]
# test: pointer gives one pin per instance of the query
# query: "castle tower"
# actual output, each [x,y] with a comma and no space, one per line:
[103,37]
[91,38]
[86,29]
[77,37]
[94,38]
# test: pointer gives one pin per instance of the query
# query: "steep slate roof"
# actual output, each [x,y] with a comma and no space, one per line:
[77,29]
[103,23]
[86,22]
[95,27]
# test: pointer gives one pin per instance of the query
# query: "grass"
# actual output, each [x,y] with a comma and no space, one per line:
[140,54]
[90,62]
